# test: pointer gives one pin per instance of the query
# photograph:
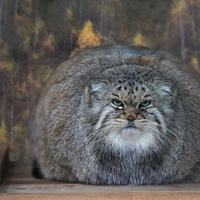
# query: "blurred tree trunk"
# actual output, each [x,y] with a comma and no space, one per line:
[182,34]
[16,5]
[1,15]
[3,105]
[194,30]
[102,16]
[36,27]
[12,114]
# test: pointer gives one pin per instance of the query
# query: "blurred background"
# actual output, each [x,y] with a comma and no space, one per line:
[37,35]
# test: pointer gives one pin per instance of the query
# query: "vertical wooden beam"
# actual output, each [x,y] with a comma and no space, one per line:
[3,159]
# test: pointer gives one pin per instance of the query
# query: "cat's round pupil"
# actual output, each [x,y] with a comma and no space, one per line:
[144,104]
[117,103]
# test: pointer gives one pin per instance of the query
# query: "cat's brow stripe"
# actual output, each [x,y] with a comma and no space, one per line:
[147,95]
[115,95]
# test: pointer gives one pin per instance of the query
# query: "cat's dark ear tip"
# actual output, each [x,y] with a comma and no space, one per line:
[36,171]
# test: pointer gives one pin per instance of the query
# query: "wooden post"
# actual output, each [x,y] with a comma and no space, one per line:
[3,159]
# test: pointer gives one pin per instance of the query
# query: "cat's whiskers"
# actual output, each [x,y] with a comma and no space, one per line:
[115,127]
[164,135]
[168,129]
[119,137]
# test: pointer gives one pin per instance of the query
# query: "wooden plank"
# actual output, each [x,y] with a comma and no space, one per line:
[18,178]
[133,196]
[18,183]
[3,159]
[58,188]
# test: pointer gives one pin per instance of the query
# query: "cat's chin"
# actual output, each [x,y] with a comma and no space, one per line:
[131,138]
[131,127]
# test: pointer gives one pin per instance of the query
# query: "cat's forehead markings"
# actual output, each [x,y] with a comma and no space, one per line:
[119,88]
[143,89]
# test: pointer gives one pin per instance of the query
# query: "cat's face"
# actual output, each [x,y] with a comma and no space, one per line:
[131,114]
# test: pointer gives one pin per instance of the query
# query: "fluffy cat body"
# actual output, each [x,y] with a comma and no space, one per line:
[116,116]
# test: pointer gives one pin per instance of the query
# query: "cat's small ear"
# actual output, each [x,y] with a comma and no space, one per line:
[166,90]
[95,90]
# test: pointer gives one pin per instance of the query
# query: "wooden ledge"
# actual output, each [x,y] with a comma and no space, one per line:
[18,184]
[122,196]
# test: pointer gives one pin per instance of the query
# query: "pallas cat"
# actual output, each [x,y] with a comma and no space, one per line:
[118,115]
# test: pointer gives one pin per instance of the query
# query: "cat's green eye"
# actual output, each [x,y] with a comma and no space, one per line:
[144,104]
[117,103]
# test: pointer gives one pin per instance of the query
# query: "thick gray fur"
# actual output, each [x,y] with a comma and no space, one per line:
[71,133]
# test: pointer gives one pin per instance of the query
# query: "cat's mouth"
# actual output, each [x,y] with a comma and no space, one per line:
[130,125]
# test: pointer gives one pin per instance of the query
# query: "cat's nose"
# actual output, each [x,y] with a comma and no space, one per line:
[130,118]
